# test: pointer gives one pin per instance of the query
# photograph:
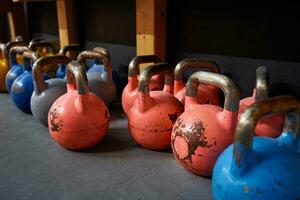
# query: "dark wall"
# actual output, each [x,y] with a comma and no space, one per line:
[106,21]
[253,28]
[42,18]
[239,36]
[4,34]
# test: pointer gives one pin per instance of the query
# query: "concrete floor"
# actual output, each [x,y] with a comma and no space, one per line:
[32,166]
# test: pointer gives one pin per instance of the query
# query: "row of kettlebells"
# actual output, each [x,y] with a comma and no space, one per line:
[207,139]
[158,119]
[198,132]
[32,91]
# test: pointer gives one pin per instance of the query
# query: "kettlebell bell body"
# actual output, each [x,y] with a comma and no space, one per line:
[131,89]
[46,92]
[270,126]
[100,84]
[78,119]
[203,131]
[16,68]
[261,167]
[152,116]
[208,94]
[5,64]
[22,87]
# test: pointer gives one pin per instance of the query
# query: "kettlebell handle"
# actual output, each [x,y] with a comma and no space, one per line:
[76,75]
[11,44]
[262,83]
[29,57]
[103,51]
[42,43]
[19,38]
[147,73]
[35,40]
[242,149]
[231,93]
[99,56]
[133,69]
[68,48]
[13,53]
[5,48]
[195,63]
[37,70]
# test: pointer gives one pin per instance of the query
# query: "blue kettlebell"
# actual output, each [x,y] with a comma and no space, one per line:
[97,67]
[16,69]
[61,71]
[261,168]
[22,87]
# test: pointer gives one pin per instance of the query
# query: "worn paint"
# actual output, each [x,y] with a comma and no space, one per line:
[55,123]
[194,138]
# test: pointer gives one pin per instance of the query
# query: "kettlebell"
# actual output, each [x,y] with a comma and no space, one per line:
[35,40]
[203,131]
[153,113]
[96,67]
[100,84]
[268,126]
[78,119]
[4,61]
[61,71]
[261,167]
[208,94]
[46,92]
[16,69]
[131,89]
[22,86]
[44,48]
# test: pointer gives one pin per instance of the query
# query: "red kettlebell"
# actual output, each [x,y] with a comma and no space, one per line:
[131,89]
[153,113]
[208,94]
[269,126]
[203,131]
[78,119]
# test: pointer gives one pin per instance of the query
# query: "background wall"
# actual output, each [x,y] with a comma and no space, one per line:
[239,36]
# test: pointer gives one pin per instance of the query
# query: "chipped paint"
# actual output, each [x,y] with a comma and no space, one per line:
[56,124]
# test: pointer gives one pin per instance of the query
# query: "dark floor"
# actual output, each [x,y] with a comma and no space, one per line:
[32,166]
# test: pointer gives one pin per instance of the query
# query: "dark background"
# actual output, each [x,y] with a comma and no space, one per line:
[240,36]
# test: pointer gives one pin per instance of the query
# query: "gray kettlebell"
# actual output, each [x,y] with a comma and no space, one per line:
[46,92]
[100,84]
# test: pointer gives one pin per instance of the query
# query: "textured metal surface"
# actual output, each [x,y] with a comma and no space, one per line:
[231,92]
[133,68]
[37,70]
[13,54]
[103,51]
[146,75]
[68,48]
[76,75]
[98,55]
[251,116]
[35,45]
[29,57]
[195,63]
[34,166]
[262,83]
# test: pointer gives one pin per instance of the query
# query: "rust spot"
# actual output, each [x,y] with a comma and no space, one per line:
[194,138]
[56,125]
[237,155]
[246,189]
[17,89]
[173,117]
